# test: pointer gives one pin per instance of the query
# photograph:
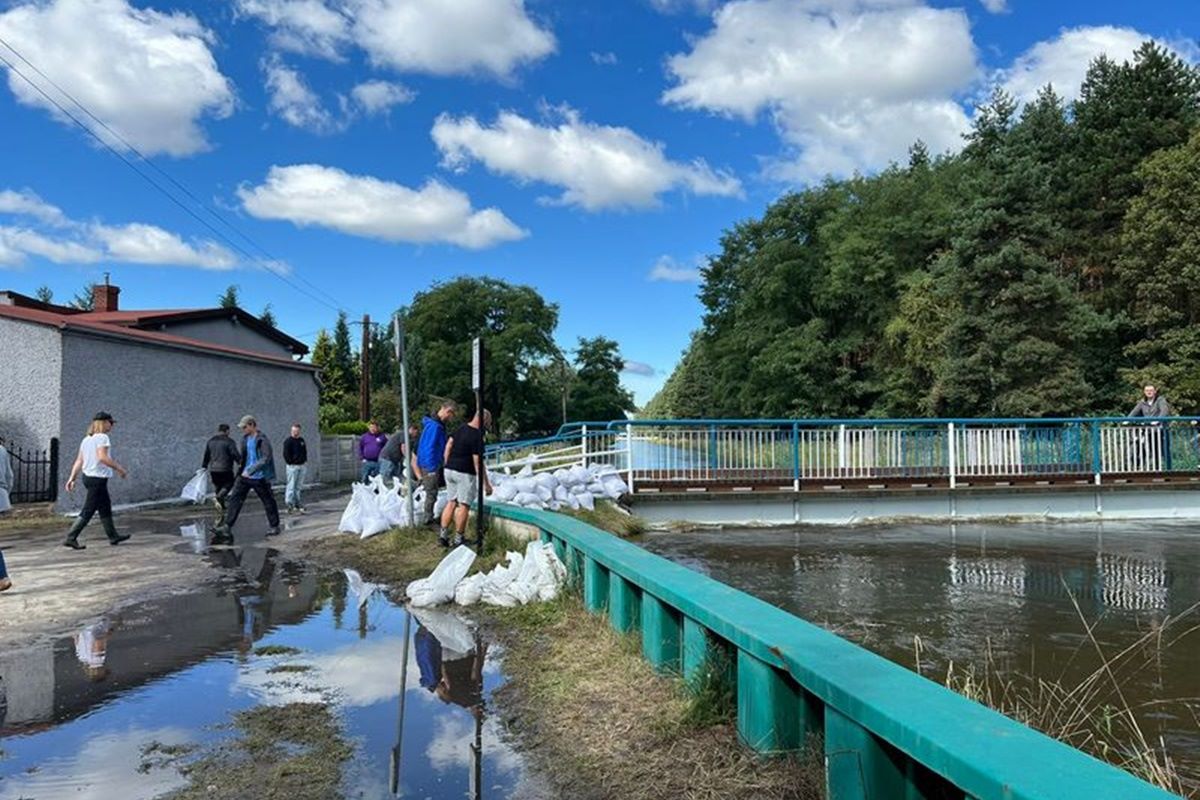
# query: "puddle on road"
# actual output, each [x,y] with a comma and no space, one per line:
[91,714]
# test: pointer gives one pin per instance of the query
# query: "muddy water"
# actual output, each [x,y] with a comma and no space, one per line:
[1012,589]
[81,716]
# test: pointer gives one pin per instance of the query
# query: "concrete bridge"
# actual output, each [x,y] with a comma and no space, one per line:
[790,471]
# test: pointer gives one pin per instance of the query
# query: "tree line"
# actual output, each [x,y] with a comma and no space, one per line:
[532,385]
[1049,268]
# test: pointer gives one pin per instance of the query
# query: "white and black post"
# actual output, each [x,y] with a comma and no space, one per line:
[477,386]
[398,331]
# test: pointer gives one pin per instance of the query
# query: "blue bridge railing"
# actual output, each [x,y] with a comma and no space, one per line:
[791,452]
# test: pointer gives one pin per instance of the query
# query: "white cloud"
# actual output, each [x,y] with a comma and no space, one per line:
[639,368]
[312,194]
[849,83]
[149,75]
[1063,61]
[608,59]
[995,6]
[290,98]
[597,166]
[309,27]
[439,37]
[26,203]
[668,269]
[139,243]
[676,6]
[61,240]
[378,97]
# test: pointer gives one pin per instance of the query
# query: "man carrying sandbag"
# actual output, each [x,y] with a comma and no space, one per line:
[464,468]
[221,460]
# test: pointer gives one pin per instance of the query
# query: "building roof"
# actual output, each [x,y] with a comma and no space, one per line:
[123,325]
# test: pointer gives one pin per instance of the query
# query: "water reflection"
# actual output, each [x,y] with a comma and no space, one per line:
[78,715]
[1023,596]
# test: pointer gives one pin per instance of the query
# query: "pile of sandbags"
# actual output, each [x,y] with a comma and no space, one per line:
[538,574]
[375,508]
[574,488]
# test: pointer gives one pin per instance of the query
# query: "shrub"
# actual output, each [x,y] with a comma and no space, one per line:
[354,428]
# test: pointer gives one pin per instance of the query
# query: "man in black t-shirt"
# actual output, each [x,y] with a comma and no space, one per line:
[464,467]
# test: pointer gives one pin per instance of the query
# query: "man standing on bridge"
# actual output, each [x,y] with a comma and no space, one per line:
[1151,405]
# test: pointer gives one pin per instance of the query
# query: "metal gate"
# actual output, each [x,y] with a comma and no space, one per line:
[35,474]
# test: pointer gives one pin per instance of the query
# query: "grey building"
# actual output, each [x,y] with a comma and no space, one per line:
[168,377]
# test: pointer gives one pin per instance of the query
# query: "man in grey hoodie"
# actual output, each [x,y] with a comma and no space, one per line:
[258,470]
[1153,404]
[221,461]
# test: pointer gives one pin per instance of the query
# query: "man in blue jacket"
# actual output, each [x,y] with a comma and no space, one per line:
[258,470]
[427,462]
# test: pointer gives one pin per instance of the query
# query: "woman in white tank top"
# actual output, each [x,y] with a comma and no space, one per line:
[96,464]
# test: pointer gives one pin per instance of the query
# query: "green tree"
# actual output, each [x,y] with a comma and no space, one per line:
[1159,268]
[342,371]
[230,297]
[597,393]
[268,316]
[85,298]
[44,294]
[517,326]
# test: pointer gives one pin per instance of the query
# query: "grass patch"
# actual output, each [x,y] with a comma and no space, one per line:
[291,752]
[276,650]
[284,668]
[594,713]
[610,517]
[404,554]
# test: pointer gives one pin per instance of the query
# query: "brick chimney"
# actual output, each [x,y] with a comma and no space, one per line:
[104,296]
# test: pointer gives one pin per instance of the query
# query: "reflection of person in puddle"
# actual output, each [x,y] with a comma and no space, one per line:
[454,677]
[91,648]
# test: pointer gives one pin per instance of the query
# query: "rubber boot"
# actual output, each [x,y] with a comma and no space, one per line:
[72,540]
[110,530]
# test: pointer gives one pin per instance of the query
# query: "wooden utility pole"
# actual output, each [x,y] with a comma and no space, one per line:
[364,384]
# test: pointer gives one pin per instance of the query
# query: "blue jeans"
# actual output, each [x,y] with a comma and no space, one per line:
[3,571]
[369,470]
[296,473]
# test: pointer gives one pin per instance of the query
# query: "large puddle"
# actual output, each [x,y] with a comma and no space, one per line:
[1018,597]
[86,715]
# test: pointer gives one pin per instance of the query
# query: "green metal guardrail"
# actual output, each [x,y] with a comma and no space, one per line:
[888,732]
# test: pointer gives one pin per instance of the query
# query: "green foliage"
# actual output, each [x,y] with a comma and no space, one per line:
[351,428]
[230,298]
[268,316]
[597,393]
[517,325]
[1048,268]
[45,294]
[84,299]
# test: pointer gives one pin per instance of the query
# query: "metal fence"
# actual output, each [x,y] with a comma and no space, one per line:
[790,452]
[35,474]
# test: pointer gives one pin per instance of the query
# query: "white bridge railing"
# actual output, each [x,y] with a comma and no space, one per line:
[787,453]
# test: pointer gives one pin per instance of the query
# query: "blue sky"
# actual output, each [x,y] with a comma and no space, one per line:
[593,150]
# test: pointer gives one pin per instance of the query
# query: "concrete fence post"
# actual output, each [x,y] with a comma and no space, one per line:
[624,608]
[768,707]
[660,634]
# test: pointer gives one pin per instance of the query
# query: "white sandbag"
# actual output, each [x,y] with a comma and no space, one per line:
[393,509]
[439,505]
[453,632]
[360,589]
[526,485]
[524,587]
[546,480]
[505,491]
[439,587]
[374,522]
[562,475]
[579,488]
[470,589]
[495,588]
[580,474]
[196,489]
[351,518]
[526,470]
[573,502]
[561,493]
[551,572]
[587,501]
[614,487]
[544,493]
[596,487]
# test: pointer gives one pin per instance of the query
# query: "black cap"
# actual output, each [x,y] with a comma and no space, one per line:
[103,416]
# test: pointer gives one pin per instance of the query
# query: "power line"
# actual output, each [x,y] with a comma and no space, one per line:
[270,263]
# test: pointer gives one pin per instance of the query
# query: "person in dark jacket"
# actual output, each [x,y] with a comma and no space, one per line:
[221,461]
[391,457]
[258,470]
[295,456]
[427,462]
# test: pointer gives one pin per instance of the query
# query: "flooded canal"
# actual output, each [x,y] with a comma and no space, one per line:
[1001,599]
[91,715]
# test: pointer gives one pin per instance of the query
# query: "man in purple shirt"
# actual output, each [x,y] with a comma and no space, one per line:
[369,447]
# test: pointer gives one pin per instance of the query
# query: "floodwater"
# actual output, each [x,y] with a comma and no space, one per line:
[78,716]
[1025,593]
